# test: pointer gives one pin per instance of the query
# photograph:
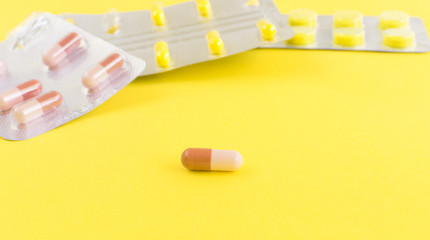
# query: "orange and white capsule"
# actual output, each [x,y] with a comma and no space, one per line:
[60,51]
[204,159]
[100,73]
[36,108]
[19,94]
[3,68]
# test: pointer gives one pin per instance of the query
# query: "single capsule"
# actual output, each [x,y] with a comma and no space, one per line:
[60,51]
[37,107]
[203,159]
[157,13]
[100,73]
[162,54]
[348,19]
[268,30]
[215,43]
[19,94]
[204,8]
[3,68]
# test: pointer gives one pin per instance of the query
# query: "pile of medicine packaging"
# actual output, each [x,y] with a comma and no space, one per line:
[54,69]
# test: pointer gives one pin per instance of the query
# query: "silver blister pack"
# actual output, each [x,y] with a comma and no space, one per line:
[191,32]
[52,72]
[393,31]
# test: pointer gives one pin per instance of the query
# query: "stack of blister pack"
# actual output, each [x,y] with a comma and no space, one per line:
[54,69]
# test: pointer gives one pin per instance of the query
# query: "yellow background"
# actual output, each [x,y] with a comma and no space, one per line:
[335,146]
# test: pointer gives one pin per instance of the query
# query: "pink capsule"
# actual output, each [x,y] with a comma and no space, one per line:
[3,68]
[100,73]
[37,107]
[19,94]
[60,51]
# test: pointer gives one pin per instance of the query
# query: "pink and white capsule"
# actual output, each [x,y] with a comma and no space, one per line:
[19,94]
[60,51]
[100,73]
[36,108]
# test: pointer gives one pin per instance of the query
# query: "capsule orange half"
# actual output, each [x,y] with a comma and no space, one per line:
[60,51]
[100,73]
[37,107]
[19,94]
[204,159]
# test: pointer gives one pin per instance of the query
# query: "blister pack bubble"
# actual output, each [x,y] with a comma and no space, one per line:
[392,31]
[191,32]
[52,72]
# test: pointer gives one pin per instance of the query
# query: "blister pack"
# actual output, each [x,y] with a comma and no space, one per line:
[191,32]
[52,72]
[392,31]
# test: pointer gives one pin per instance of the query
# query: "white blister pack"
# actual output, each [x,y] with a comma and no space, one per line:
[392,31]
[52,72]
[191,32]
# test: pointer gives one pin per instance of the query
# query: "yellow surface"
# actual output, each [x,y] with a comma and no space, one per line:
[335,146]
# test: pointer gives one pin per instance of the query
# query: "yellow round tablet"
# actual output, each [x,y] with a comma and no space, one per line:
[349,37]
[399,38]
[303,35]
[303,17]
[348,19]
[394,19]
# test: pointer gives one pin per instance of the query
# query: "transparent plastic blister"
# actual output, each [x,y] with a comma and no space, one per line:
[52,72]
[392,31]
[191,32]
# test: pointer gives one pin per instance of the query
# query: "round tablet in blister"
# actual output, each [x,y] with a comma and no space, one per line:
[348,19]
[303,17]
[349,37]
[304,35]
[394,19]
[399,38]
